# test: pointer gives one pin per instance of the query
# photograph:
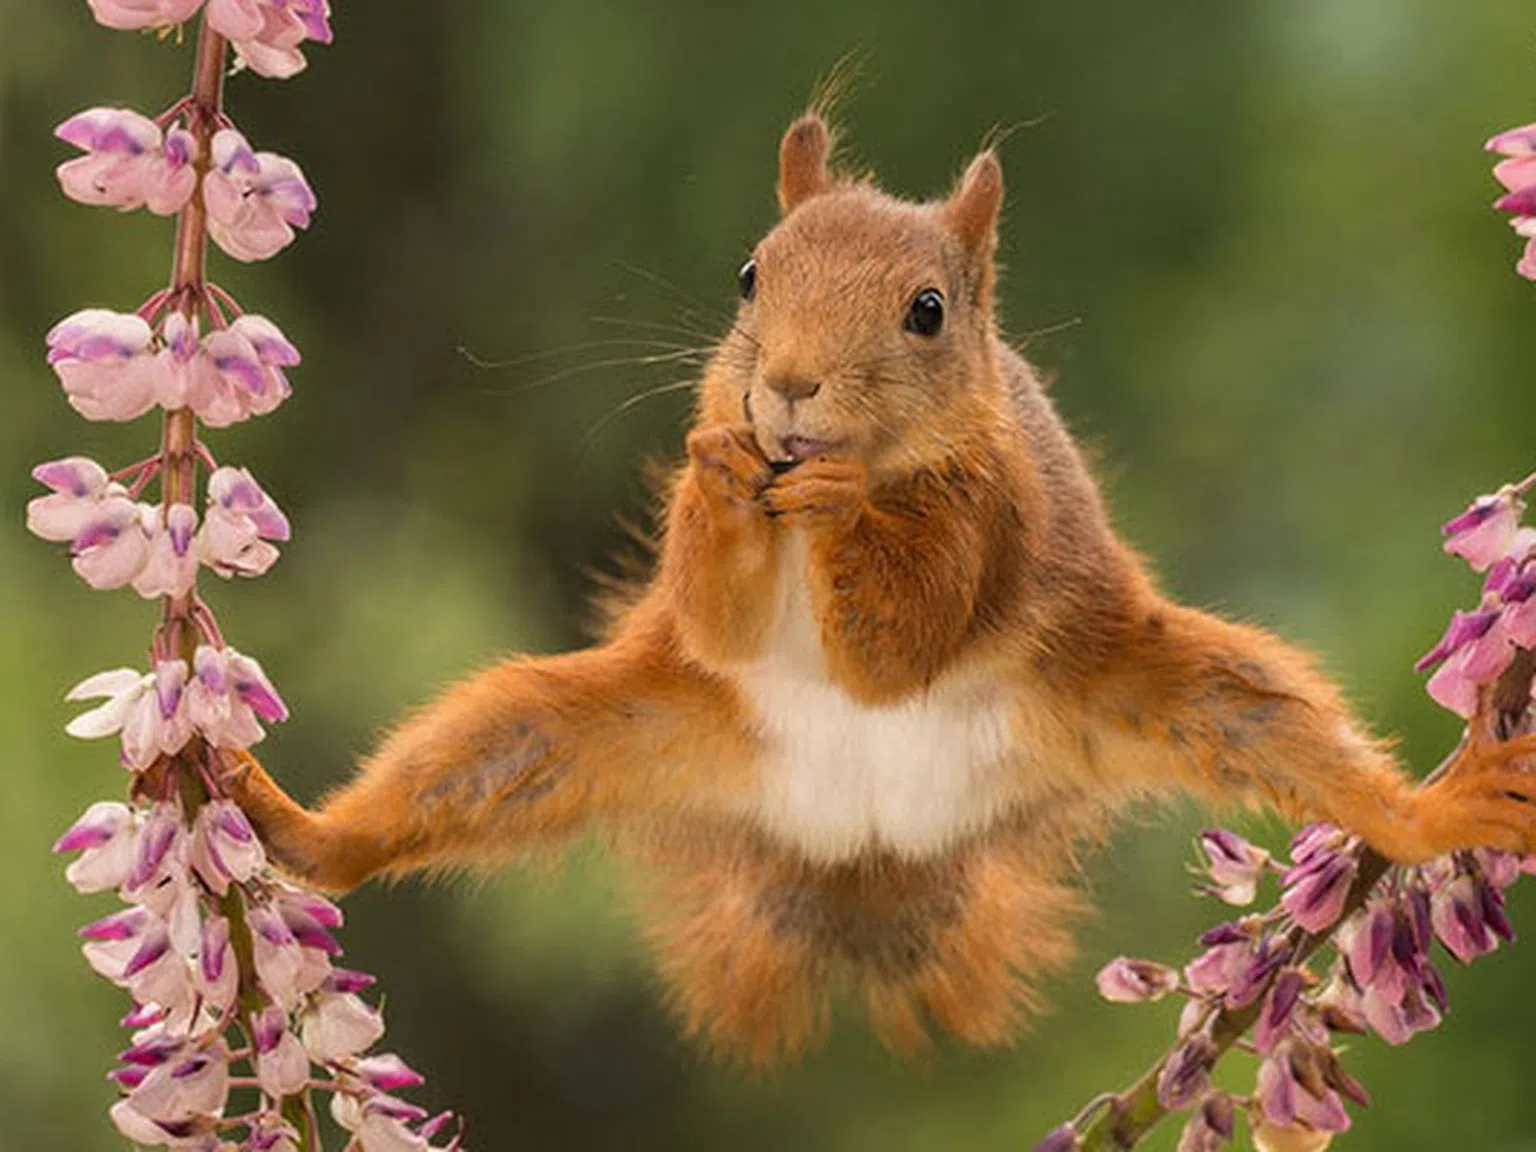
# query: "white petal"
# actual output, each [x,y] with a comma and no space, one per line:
[112,683]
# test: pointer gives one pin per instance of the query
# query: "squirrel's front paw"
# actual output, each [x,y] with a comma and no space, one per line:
[731,469]
[1486,799]
[825,493]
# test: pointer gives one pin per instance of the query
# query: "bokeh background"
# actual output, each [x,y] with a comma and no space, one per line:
[1250,240]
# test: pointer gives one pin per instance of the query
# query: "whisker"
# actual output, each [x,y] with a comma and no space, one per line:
[679,356]
[696,306]
[478,361]
[1050,329]
[631,402]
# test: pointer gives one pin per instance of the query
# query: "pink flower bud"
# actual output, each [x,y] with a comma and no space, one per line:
[238,372]
[129,162]
[1315,892]
[1127,981]
[254,199]
[1063,1139]
[267,33]
[170,566]
[338,1026]
[387,1072]
[1210,1125]
[130,14]
[107,838]
[1460,921]
[217,974]
[1233,864]
[1185,1075]
[1275,1017]
[1293,1090]
[105,363]
[137,706]
[229,692]
[241,519]
[224,846]
[1484,532]
[282,1065]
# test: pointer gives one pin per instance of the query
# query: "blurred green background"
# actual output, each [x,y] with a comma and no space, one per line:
[1250,240]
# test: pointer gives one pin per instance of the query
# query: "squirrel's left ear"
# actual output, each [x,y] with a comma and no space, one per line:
[973,206]
[803,155]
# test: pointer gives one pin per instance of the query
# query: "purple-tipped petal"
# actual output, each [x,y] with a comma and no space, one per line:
[387,1072]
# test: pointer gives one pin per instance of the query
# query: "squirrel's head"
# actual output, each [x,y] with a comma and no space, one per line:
[865,325]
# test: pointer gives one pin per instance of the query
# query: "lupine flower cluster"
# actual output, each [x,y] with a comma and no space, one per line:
[238,1012]
[1327,960]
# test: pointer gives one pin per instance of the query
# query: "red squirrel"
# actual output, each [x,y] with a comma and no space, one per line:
[893,668]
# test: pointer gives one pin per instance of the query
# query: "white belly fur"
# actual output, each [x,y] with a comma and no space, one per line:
[838,777]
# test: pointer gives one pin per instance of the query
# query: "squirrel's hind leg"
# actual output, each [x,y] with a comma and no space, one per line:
[520,755]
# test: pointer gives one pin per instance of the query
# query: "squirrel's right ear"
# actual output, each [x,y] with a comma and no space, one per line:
[973,206]
[803,155]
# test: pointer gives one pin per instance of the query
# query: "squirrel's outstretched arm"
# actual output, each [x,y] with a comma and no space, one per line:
[521,754]
[1226,710]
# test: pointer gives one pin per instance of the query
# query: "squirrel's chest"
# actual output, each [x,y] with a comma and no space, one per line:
[837,777]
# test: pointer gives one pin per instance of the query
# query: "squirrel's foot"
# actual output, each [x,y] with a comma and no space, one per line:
[732,471]
[822,493]
[282,825]
[1486,799]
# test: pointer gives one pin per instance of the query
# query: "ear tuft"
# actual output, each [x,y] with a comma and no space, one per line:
[803,155]
[973,206]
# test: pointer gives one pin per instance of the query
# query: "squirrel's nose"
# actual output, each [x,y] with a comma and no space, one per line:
[794,388]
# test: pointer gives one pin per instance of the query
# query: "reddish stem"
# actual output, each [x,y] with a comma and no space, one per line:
[178,447]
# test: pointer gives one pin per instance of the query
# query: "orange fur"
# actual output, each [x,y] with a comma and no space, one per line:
[929,566]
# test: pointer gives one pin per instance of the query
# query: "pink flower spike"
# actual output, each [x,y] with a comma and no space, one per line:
[105,363]
[130,164]
[255,199]
[131,14]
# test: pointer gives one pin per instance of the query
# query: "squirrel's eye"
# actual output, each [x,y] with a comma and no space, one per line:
[925,315]
[746,279]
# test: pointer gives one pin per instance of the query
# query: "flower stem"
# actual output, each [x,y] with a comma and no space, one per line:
[203,106]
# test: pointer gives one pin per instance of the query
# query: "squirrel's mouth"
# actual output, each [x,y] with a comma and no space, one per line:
[798,449]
